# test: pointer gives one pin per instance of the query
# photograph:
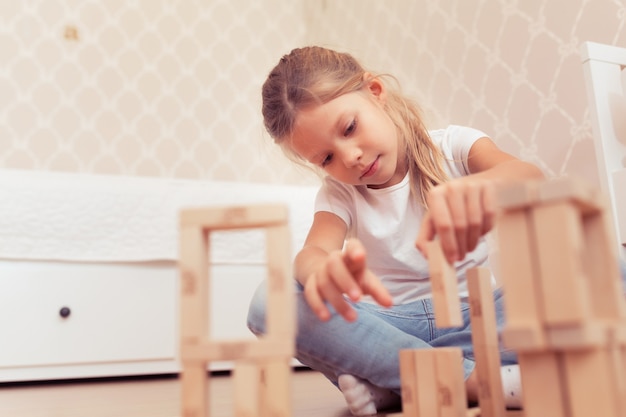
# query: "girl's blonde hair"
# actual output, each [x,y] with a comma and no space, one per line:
[315,75]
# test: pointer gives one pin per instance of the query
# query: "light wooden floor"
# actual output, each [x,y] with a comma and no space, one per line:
[313,396]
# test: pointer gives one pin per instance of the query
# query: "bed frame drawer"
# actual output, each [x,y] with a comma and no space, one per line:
[57,314]
[61,320]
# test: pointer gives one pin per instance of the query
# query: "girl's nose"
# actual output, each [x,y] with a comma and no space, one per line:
[351,156]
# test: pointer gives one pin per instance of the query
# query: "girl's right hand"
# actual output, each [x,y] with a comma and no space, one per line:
[343,274]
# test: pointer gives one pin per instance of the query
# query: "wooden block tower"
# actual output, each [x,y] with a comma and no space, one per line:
[262,367]
[564,302]
[443,281]
[565,311]
[485,342]
[432,379]
[432,383]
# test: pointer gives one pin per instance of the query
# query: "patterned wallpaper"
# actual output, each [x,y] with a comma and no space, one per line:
[144,87]
[171,88]
[509,67]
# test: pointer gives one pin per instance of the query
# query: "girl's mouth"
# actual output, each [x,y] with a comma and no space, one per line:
[371,169]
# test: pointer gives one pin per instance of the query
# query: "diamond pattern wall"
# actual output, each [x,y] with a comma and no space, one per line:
[149,88]
[171,88]
[509,67]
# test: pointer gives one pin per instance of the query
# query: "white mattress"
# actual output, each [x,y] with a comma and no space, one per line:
[84,217]
[59,225]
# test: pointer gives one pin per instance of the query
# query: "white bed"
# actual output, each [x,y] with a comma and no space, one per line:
[105,248]
[605,78]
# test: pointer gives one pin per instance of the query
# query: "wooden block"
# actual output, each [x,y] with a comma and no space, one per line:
[542,384]
[418,375]
[276,388]
[559,243]
[275,350]
[235,217]
[472,412]
[525,338]
[281,308]
[590,382]
[247,389]
[582,336]
[620,373]
[228,350]
[408,381]
[485,342]
[520,277]
[575,258]
[601,258]
[194,287]
[443,280]
[194,320]
[476,412]
[619,334]
[450,382]
[194,389]
[578,192]
[516,196]
[588,263]
[601,269]
[432,383]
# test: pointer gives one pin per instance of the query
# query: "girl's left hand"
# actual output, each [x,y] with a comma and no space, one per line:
[459,212]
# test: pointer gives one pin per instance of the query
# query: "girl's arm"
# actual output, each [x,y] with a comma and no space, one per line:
[327,273]
[462,210]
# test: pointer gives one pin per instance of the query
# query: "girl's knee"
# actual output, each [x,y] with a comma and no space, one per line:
[257,310]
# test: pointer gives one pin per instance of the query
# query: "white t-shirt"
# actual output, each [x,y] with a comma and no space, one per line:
[387,221]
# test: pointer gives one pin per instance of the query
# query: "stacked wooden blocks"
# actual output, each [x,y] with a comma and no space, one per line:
[262,367]
[566,316]
[432,379]
[564,305]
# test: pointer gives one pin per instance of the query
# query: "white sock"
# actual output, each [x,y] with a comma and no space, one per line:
[365,399]
[512,386]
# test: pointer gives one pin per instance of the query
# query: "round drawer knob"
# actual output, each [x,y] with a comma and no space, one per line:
[65,312]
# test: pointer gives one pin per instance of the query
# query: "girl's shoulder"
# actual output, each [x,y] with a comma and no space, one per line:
[454,140]
[333,187]
[455,133]
[455,143]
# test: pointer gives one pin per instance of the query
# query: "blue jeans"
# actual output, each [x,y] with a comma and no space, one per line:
[368,348]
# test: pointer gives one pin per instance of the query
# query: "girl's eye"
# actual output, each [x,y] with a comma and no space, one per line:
[327,160]
[351,127]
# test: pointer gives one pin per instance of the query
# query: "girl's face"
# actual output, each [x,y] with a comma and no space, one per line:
[352,138]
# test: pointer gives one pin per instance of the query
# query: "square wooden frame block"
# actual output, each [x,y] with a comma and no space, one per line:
[268,357]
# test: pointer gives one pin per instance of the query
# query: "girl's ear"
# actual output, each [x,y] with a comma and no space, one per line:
[375,87]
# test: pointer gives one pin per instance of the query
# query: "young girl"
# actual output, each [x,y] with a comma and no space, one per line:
[362,276]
